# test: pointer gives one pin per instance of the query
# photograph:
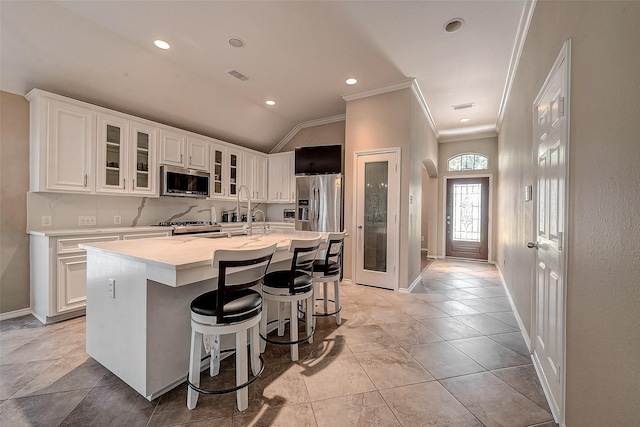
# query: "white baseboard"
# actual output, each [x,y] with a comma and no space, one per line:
[525,334]
[413,284]
[16,313]
[346,281]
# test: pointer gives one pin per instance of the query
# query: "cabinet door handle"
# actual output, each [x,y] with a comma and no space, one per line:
[85,180]
[124,184]
[133,186]
[189,160]
[180,157]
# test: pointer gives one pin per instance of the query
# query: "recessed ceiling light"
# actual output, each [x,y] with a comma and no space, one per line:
[162,44]
[351,81]
[236,42]
[270,102]
[466,119]
[454,25]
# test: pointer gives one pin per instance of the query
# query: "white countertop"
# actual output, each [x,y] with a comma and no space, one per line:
[83,231]
[184,252]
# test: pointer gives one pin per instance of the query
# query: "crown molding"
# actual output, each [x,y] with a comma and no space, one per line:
[403,84]
[391,87]
[300,126]
[415,88]
[516,53]
[467,133]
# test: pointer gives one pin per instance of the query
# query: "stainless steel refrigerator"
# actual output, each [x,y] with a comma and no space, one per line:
[319,202]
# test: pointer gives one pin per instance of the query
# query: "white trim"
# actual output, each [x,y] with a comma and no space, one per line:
[516,53]
[391,87]
[467,133]
[413,284]
[347,281]
[354,247]
[444,211]
[308,124]
[523,330]
[16,313]
[425,108]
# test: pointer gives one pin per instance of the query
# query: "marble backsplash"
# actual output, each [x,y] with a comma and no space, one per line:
[65,209]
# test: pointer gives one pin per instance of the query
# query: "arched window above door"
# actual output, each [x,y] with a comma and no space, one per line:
[468,162]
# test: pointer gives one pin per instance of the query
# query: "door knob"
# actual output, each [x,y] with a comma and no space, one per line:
[532,245]
[360,227]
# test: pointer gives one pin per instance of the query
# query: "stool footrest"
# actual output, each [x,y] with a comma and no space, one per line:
[226,390]
[327,314]
[301,340]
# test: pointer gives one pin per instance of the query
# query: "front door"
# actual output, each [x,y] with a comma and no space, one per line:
[377,204]
[468,218]
[550,135]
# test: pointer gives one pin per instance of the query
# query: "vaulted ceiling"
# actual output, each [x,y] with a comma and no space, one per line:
[298,54]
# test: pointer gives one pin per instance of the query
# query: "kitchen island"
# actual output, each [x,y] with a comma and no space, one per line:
[138,298]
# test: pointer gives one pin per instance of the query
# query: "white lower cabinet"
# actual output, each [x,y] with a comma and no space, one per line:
[59,272]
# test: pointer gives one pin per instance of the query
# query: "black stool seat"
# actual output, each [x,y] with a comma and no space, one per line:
[239,305]
[328,268]
[302,281]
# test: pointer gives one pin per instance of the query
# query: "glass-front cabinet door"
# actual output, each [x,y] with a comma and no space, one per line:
[143,166]
[233,167]
[111,156]
[217,172]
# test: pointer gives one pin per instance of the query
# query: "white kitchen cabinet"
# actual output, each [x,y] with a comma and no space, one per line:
[61,144]
[59,271]
[225,172]
[178,149]
[281,178]
[125,157]
[254,167]
[197,153]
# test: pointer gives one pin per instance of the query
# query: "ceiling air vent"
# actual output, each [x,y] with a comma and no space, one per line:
[238,75]
[463,106]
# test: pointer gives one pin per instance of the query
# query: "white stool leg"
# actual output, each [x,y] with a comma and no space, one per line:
[194,368]
[293,329]
[325,288]
[336,298]
[309,316]
[254,348]
[214,365]
[263,326]
[281,318]
[242,374]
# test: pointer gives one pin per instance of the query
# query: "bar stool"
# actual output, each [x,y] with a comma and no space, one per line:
[293,287]
[328,269]
[233,308]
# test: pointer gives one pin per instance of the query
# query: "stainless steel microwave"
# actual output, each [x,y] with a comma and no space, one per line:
[180,182]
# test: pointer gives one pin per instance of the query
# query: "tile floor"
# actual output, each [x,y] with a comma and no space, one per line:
[449,354]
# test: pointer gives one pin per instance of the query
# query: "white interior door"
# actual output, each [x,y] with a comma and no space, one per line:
[377,232]
[550,129]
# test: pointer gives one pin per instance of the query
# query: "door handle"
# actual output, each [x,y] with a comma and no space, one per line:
[359,227]
[532,245]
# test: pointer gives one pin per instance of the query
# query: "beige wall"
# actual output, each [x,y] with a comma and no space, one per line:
[386,121]
[329,134]
[603,291]
[14,183]
[485,146]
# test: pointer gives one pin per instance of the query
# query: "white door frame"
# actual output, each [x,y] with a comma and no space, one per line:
[444,212]
[563,56]
[395,227]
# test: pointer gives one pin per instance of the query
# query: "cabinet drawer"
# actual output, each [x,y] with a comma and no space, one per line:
[67,246]
[146,235]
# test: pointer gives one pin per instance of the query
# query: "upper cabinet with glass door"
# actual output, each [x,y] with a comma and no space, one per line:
[125,155]
[225,168]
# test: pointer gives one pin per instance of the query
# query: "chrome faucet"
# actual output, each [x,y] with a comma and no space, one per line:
[248,225]
[264,221]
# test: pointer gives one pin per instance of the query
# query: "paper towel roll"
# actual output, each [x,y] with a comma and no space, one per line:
[214,217]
